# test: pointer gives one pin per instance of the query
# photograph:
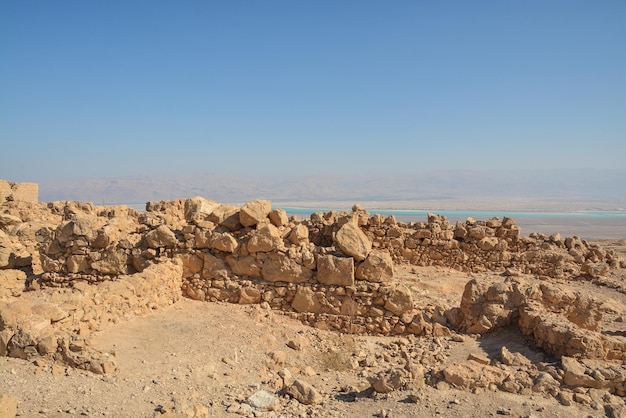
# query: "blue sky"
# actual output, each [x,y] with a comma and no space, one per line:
[123,88]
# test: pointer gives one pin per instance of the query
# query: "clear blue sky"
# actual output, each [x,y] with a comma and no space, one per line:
[117,88]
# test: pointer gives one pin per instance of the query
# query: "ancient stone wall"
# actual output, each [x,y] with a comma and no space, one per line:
[332,271]
[22,192]
[335,270]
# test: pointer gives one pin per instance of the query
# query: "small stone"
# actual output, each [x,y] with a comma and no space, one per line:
[479,358]
[263,401]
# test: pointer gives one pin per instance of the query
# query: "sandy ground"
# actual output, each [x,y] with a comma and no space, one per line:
[212,357]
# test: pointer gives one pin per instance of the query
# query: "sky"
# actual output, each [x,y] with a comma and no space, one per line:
[92,89]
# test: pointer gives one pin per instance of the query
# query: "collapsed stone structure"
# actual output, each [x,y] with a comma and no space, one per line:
[332,271]
[22,192]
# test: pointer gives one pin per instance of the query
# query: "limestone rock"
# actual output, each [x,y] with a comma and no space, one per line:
[224,242]
[595,270]
[278,217]
[254,212]
[161,237]
[377,267]
[487,243]
[575,373]
[213,267]
[513,359]
[353,241]
[245,266]
[7,254]
[399,300]
[389,380]
[303,392]
[299,234]
[198,209]
[471,375]
[305,301]
[249,295]
[332,270]
[265,239]
[280,268]
[226,216]
[263,401]
[192,264]
[8,220]
[113,262]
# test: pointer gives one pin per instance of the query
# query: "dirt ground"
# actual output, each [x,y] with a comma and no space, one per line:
[209,358]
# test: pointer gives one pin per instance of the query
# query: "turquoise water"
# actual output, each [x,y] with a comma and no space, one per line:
[453,214]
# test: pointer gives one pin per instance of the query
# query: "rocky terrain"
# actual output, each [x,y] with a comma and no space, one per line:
[194,308]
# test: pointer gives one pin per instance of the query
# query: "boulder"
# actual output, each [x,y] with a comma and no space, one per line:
[263,401]
[114,262]
[224,242]
[389,380]
[161,237]
[353,241]
[280,268]
[303,392]
[305,301]
[595,270]
[213,267]
[399,300]
[254,212]
[278,217]
[7,257]
[249,295]
[265,239]
[299,234]
[471,375]
[575,374]
[198,209]
[377,267]
[192,264]
[332,270]
[8,220]
[487,243]
[226,216]
[245,266]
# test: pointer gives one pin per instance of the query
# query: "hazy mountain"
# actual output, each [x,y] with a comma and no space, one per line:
[608,185]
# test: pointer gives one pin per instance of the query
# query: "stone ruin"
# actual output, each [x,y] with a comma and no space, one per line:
[90,266]
[22,192]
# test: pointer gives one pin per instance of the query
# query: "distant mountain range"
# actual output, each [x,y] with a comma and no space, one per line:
[444,185]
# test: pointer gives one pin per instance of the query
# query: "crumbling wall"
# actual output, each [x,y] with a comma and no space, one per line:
[333,271]
[21,192]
